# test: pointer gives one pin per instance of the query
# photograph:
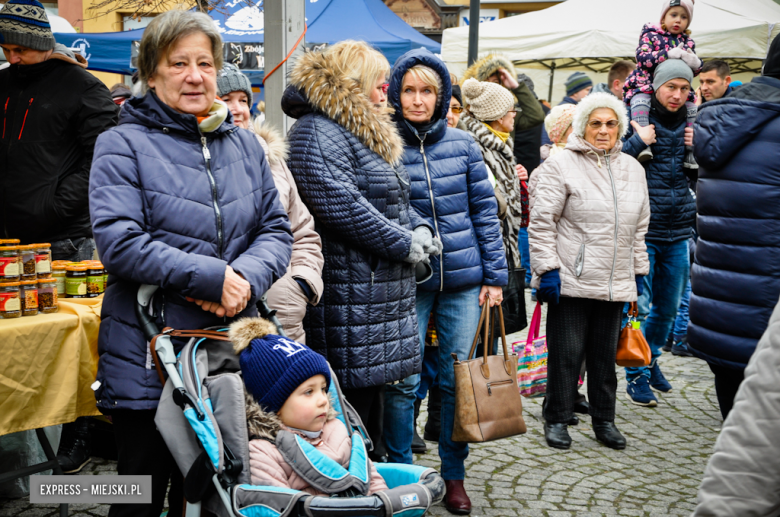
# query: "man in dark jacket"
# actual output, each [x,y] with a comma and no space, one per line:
[673,212]
[734,279]
[715,79]
[53,111]
[616,78]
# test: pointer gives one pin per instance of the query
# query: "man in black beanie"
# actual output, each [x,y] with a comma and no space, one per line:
[734,275]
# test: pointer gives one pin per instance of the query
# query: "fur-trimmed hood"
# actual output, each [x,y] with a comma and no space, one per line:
[487,66]
[273,142]
[265,425]
[63,53]
[595,101]
[323,87]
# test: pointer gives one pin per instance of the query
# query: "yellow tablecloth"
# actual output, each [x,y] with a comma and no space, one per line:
[47,366]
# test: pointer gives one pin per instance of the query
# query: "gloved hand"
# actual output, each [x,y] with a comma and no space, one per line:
[691,59]
[430,244]
[417,248]
[676,52]
[549,287]
[640,284]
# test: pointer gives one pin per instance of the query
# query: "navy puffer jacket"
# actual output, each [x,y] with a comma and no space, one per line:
[341,156]
[452,191]
[672,207]
[160,218]
[736,275]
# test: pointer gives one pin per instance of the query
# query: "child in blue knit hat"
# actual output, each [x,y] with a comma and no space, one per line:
[287,390]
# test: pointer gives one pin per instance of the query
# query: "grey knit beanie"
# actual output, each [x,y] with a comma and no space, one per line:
[487,101]
[230,79]
[671,69]
[24,23]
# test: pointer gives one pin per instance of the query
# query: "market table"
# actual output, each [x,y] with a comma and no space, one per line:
[48,363]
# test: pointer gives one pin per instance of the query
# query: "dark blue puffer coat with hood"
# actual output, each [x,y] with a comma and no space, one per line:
[450,190]
[736,275]
[167,212]
[672,207]
[345,158]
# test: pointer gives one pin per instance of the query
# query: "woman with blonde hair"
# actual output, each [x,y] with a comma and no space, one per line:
[345,156]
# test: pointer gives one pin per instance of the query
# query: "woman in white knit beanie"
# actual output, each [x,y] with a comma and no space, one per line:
[490,117]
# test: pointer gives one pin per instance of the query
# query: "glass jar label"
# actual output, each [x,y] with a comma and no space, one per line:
[42,264]
[76,286]
[30,299]
[95,284]
[9,302]
[9,266]
[60,283]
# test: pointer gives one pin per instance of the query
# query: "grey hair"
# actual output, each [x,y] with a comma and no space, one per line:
[165,31]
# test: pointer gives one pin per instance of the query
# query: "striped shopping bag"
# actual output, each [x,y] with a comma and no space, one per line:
[532,359]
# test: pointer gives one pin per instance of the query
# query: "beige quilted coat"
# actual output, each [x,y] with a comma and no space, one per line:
[589,214]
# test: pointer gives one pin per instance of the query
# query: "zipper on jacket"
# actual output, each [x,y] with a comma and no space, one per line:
[617,223]
[5,113]
[25,118]
[214,193]
[579,262]
[433,210]
[674,180]
[372,278]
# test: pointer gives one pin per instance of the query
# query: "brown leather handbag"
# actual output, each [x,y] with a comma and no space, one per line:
[487,403]
[632,349]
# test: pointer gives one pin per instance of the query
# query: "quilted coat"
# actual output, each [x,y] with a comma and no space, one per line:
[671,202]
[743,473]
[346,160]
[451,191]
[736,275]
[163,215]
[589,215]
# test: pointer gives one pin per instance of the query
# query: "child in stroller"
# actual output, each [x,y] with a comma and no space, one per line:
[287,392]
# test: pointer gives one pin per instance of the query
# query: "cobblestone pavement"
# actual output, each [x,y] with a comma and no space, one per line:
[657,475]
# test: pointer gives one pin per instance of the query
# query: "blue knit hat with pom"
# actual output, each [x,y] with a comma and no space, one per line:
[273,366]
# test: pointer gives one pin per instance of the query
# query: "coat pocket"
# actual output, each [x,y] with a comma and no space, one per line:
[579,263]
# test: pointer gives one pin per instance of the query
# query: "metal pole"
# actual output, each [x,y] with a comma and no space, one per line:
[552,77]
[284,23]
[473,31]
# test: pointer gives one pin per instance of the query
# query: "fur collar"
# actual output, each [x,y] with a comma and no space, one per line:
[488,66]
[340,98]
[273,142]
[265,425]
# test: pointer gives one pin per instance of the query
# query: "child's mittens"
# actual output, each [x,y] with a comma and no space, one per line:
[676,53]
[692,60]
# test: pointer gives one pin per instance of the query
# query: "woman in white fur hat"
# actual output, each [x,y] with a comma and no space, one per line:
[589,214]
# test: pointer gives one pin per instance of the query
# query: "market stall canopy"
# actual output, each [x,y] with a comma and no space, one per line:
[592,34]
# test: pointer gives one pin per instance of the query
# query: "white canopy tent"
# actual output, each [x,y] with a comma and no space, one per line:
[589,35]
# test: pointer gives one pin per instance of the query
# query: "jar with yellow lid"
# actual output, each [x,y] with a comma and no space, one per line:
[95,285]
[47,295]
[9,264]
[76,281]
[10,303]
[27,252]
[58,274]
[28,292]
[43,260]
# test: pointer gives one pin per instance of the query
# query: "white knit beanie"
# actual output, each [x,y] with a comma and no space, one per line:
[487,101]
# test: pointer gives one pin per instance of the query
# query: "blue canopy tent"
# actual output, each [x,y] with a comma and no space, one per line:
[242,29]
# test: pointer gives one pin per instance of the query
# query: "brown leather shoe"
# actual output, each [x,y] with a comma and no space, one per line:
[457,500]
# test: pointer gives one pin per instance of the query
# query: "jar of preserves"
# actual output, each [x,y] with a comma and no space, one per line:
[9,264]
[95,285]
[58,274]
[28,292]
[10,302]
[76,281]
[43,260]
[28,262]
[47,295]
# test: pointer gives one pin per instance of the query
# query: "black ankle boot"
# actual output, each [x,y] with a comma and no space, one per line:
[608,434]
[433,425]
[418,444]
[557,435]
[574,420]
[73,452]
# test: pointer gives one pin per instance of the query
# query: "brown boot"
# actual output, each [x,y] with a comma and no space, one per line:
[457,500]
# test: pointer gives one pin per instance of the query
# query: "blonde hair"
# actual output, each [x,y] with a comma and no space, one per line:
[360,62]
[454,79]
[427,76]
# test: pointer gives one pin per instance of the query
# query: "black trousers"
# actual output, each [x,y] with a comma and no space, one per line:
[370,406]
[142,451]
[727,382]
[577,329]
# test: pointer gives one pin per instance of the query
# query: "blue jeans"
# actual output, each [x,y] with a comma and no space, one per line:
[429,377]
[680,327]
[669,271]
[457,315]
[73,250]
[525,253]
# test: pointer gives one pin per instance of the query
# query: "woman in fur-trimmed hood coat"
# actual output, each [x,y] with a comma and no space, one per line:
[346,160]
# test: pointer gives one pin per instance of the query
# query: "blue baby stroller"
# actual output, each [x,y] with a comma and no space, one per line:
[202,419]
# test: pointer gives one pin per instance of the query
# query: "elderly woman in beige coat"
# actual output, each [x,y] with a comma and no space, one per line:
[302,284]
[589,214]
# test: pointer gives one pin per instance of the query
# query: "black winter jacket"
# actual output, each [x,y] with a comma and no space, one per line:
[673,209]
[346,161]
[736,275]
[52,114]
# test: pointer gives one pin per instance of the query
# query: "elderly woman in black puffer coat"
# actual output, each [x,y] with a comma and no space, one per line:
[345,156]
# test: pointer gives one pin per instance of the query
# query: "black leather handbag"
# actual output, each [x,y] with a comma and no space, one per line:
[513,306]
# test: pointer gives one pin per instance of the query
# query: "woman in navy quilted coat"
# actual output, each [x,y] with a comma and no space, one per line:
[345,156]
[451,191]
[182,199]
